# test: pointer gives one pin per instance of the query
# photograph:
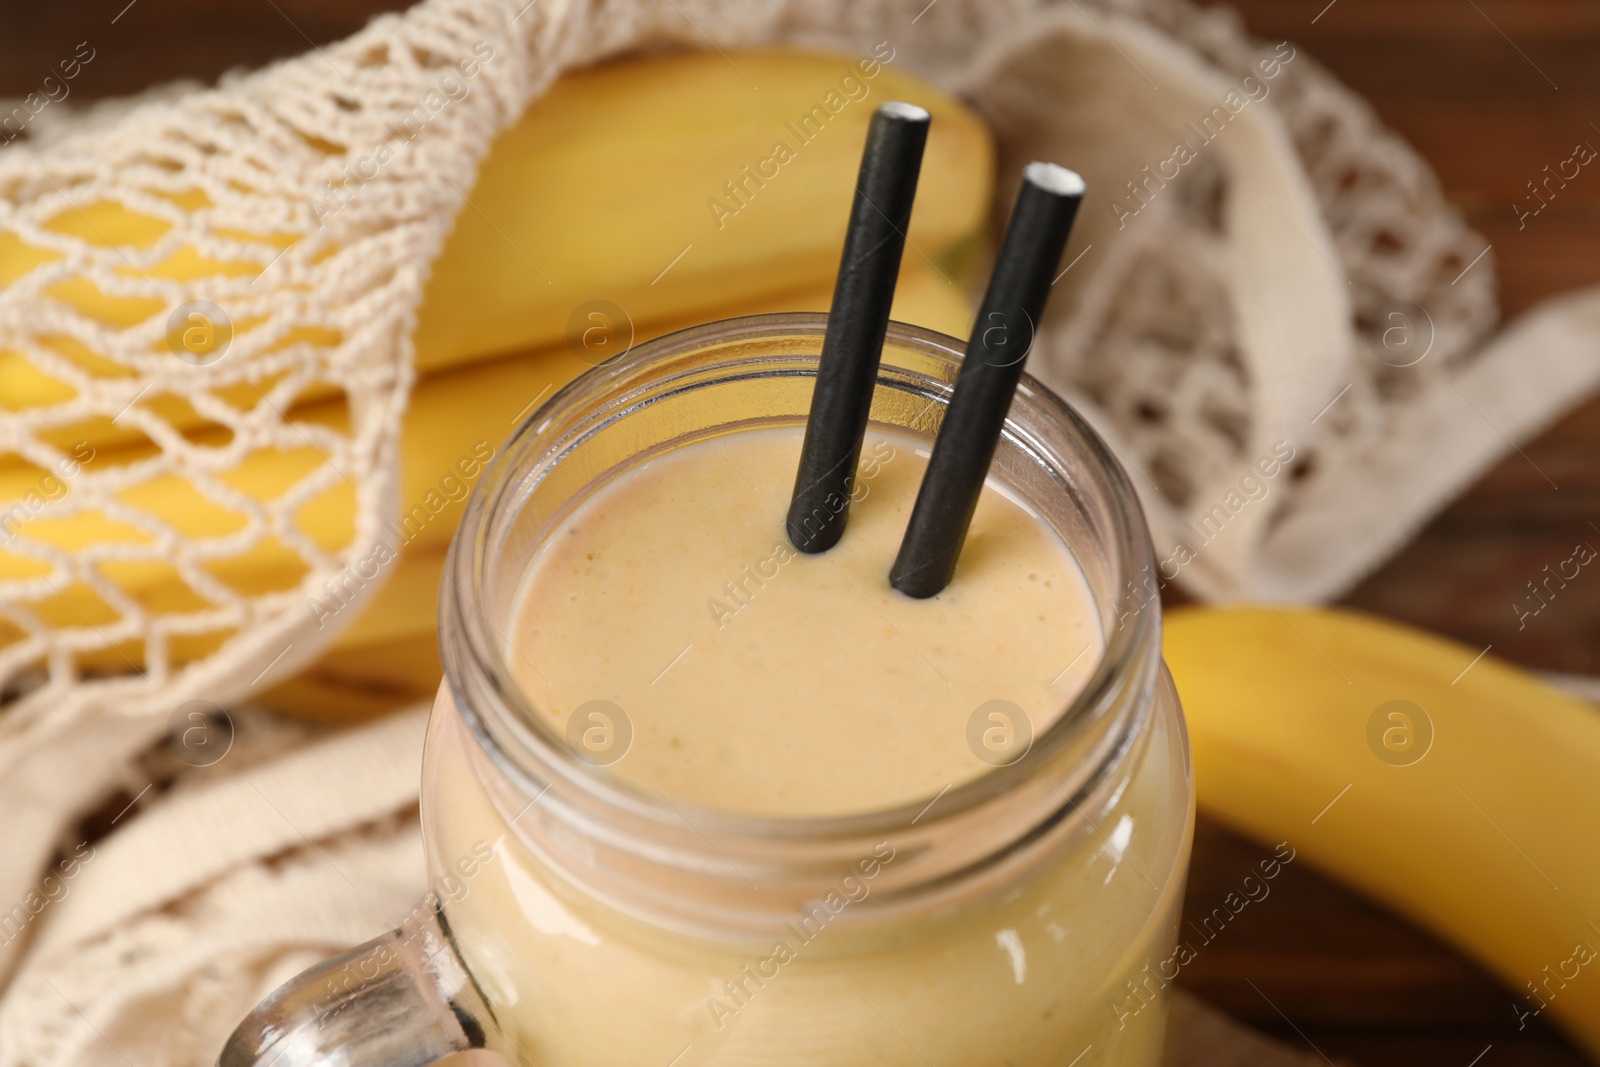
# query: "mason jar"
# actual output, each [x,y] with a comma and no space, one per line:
[1020,918]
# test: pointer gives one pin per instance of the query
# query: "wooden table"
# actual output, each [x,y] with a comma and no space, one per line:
[1489,91]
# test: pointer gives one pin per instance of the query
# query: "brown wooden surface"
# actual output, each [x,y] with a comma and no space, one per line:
[1489,91]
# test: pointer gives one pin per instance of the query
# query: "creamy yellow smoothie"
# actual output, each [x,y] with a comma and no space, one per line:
[764,681]
[668,632]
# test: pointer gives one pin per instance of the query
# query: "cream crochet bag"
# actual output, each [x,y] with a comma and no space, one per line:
[1220,317]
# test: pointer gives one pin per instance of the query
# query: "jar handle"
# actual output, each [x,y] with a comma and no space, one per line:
[403,999]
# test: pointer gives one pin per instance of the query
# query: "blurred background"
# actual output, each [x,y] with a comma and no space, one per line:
[1489,92]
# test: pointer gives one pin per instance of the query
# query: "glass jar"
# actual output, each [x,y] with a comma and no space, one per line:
[1021,917]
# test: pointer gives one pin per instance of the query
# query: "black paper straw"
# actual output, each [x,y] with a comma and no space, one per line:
[1001,338]
[857,322]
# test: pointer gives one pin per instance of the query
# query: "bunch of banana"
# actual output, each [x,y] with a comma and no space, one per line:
[1458,790]
[653,185]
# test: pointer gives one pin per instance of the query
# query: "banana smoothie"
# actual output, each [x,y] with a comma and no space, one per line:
[771,683]
[687,654]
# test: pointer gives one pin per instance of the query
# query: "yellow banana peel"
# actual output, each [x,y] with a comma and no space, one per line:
[639,183]
[1459,791]
[350,684]
[675,186]
[455,422]
[565,185]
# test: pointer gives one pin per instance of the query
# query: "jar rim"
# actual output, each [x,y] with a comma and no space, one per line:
[520,743]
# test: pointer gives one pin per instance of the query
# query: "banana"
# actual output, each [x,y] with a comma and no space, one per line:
[455,421]
[350,684]
[638,182]
[658,185]
[560,188]
[1452,787]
